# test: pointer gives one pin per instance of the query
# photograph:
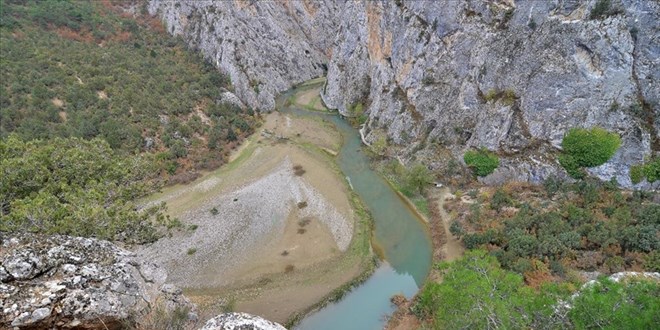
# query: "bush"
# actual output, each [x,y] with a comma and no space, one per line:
[587,148]
[649,171]
[601,9]
[590,147]
[500,199]
[482,161]
[76,187]
[631,304]
[636,173]
[416,178]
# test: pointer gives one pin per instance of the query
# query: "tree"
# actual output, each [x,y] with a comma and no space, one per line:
[628,304]
[417,177]
[76,187]
[476,293]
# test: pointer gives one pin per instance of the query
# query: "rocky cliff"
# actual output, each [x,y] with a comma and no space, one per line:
[438,78]
[511,76]
[64,282]
[264,46]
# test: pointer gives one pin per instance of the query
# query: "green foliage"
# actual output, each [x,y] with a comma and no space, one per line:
[476,293]
[76,187]
[601,9]
[632,304]
[379,147]
[649,171]
[587,148]
[416,178]
[81,69]
[500,199]
[588,224]
[571,166]
[358,117]
[482,161]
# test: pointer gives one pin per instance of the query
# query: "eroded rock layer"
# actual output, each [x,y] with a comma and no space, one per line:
[81,283]
[440,77]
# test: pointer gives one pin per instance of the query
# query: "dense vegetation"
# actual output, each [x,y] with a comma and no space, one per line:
[543,234]
[98,106]
[476,293]
[410,181]
[482,161]
[587,148]
[90,69]
[528,248]
[649,171]
[76,187]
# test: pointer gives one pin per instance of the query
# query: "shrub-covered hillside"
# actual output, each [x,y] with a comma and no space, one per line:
[546,233]
[93,69]
[530,250]
[98,107]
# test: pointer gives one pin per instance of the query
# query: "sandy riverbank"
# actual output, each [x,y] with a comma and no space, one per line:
[285,233]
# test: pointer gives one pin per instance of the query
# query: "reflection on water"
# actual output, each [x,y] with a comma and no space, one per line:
[367,306]
[404,239]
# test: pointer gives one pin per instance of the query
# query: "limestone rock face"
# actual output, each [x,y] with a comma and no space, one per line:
[73,282]
[240,321]
[264,46]
[511,76]
[441,77]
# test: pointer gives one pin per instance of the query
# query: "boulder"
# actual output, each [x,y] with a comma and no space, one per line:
[82,283]
[240,321]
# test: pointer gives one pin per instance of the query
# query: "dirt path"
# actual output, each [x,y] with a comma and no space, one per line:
[445,248]
[452,248]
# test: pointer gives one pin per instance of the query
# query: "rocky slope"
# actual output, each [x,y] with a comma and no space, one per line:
[511,76]
[240,321]
[264,46]
[438,78]
[81,283]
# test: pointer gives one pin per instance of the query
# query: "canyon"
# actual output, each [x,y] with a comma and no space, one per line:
[440,78]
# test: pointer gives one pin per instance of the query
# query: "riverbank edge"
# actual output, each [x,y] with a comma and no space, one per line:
[362,233]
[370,262]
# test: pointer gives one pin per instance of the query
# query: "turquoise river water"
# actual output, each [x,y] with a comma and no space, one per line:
[398,231]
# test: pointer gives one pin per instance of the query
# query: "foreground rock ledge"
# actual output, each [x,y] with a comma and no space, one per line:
[240,321]
[73,282]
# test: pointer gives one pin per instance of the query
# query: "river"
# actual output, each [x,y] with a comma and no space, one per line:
[399,234]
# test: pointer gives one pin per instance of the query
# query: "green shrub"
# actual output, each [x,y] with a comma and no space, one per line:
[416,178]
[652,170]
[76,187]
[587,148]
[631,304]
[636,173]
[649,170]
[601,9]
[500,199]
[590,147]
[482,161]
